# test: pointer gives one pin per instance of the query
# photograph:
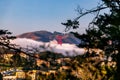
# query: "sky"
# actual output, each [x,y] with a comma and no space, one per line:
[20,16]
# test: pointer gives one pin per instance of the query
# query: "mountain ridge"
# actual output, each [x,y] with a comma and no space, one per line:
[46,36]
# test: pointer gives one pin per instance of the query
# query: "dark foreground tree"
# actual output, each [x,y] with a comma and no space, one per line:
[104,29]
[5,44]
[1,76]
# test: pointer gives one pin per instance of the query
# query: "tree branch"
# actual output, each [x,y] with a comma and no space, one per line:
[88,12]
[16,49]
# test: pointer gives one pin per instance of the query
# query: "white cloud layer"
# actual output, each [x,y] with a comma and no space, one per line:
[65,49]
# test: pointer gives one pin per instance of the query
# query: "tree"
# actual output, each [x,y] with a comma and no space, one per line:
[5,37]
[103,28]
[18,60]
[1,76]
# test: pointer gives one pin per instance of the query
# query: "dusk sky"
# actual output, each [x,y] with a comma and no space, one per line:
[19,16]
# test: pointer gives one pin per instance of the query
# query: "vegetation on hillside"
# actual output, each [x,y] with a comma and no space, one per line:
[102,34]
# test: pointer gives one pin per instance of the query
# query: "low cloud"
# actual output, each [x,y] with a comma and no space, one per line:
[65,49]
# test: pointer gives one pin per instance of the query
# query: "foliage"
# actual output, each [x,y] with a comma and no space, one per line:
[103,31]
[71,24]
[5,37]
[50,55]
[18,61]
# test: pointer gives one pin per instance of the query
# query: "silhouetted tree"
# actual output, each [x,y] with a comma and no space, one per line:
[103,28]
[1,76]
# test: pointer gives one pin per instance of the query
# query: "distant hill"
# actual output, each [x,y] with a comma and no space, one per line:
[46,36]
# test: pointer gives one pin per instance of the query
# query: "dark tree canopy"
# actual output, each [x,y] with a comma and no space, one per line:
[5,44]
[103,28]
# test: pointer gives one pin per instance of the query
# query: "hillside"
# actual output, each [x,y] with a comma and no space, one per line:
[46,36]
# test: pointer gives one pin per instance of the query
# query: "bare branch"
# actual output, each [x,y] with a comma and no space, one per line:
[90,11]
[94,19]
